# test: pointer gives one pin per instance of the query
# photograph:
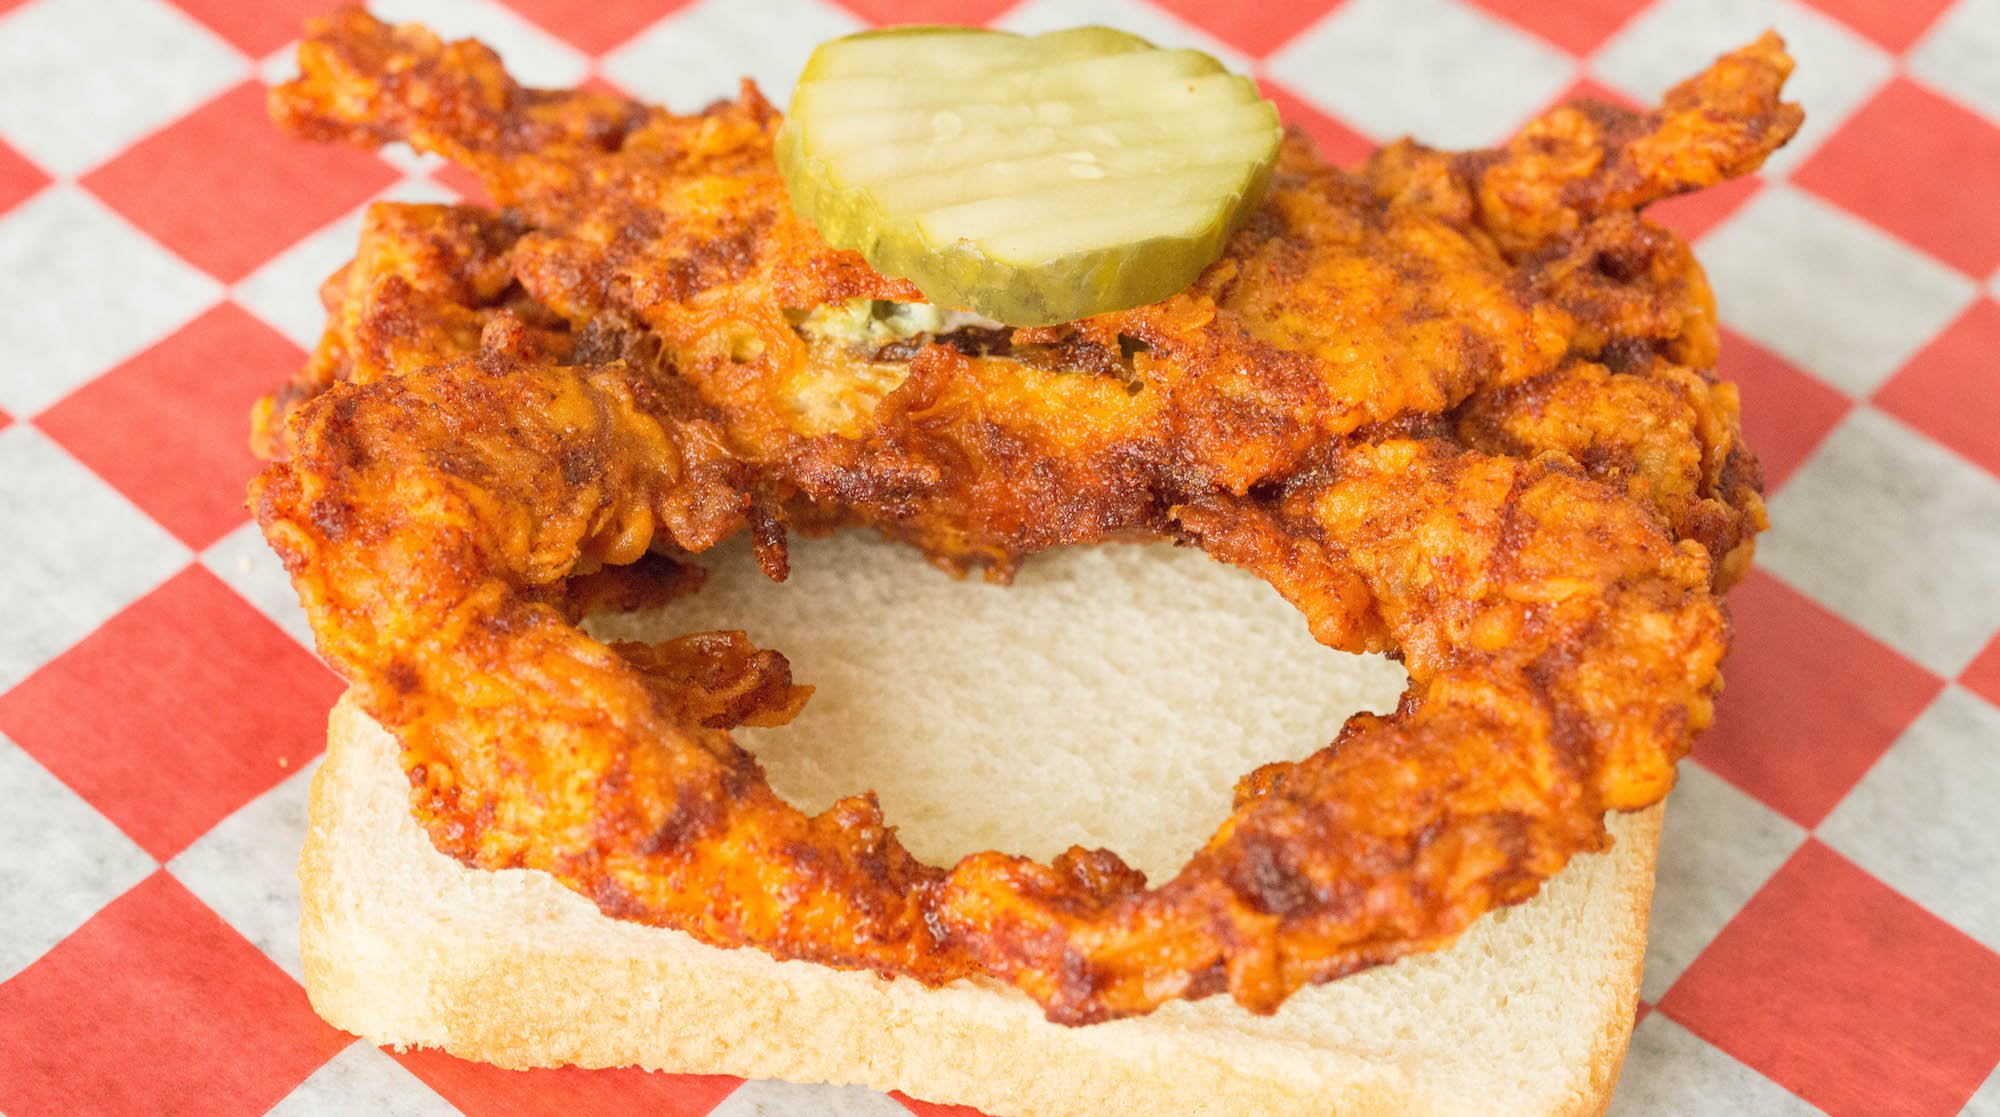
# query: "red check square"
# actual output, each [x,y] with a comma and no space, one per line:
[465,184]
[156,1006]
[260,28]
[19,179]
[1921,167]
[1811,702]
[1838,988]
[940,11]
[1337,143]
[1951,389]
[479,1090]
[1692,215]
[1786,413]
[1982,675]
[1578,26]
[1893,23]
[178,711]
[226,190]
[598,26]
[1254,29]
[934,1109]
[169,428]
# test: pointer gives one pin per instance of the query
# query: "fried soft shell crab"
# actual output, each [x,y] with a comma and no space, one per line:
[1454,406]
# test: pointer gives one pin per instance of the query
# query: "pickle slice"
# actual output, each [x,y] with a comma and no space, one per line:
[1029,179]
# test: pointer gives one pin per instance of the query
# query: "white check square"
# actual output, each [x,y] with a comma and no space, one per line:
[81,290]
[1922,818]
[246,564]
[1960,56]
[695,57]
[60,860]
[362,1079]
[80,80]
[76,552]
[1439,70]
[782,1099]
[1669,1069]
[1896,534]
[1826,290]
[247,869]
[1717,849]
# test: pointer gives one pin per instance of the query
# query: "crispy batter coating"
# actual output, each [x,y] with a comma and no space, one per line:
[1455,406]
[426,282]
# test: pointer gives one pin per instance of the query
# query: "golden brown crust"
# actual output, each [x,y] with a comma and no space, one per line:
[1542,558]
[1349,301]
[422,289]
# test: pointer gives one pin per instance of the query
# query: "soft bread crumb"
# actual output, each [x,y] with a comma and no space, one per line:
[1110,698]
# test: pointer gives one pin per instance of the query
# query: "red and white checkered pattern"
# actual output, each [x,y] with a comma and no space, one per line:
[1826,934]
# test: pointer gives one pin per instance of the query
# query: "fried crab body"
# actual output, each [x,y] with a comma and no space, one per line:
[1452,406]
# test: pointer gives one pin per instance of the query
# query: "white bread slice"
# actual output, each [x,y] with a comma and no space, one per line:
[1111,697]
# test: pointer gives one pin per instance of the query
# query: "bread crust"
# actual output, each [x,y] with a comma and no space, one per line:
[405,947]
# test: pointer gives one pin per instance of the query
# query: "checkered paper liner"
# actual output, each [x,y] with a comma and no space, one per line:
[1826,931]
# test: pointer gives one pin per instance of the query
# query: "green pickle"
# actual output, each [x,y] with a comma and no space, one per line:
[1028,179]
